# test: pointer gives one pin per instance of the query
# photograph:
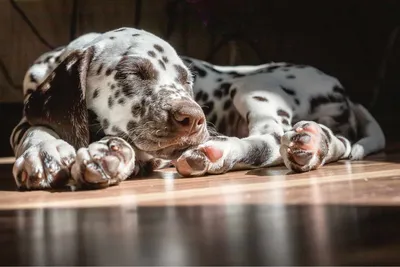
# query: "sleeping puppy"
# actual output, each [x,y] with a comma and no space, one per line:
[102,107]
[108,106]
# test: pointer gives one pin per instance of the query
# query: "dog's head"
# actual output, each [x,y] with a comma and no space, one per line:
[139,89]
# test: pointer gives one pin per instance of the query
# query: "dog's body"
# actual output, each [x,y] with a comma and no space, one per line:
[138,89]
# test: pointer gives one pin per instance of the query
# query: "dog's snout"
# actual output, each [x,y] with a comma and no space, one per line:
[188,116]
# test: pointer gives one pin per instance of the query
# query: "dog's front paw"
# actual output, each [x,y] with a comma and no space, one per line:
[211,157]
[44,166]
[102,164]
[305,147]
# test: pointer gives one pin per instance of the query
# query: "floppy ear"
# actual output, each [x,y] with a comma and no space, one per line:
[59,102]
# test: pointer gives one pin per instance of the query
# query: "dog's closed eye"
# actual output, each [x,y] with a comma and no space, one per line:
[139,67]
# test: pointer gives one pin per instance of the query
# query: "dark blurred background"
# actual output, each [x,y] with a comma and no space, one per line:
[354,40]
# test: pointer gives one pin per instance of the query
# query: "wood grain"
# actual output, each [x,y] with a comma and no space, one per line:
[375,181]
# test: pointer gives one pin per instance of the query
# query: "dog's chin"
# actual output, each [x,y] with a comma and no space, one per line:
[170,149]
[170,153]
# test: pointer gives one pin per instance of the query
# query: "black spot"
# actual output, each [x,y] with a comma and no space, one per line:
[198,71]
[219,80]
[282,113]
[288,91]
[290,76]
[135,35]
[327,134]
[225,88]
[300,66]
[218,94]
[136,110]
[198,96]
[233,92]
[112,87]
[47,59]
[121,101]
[234,74]
[32,78]
[151,53]
[205,97]
[162,64]
[297,101]
[315,102]
[285,122]
[208,107]
[120,30]
[285,69]
[257,154]
[117,130]
[100,69]
[96,93]
[112,38]
[106,124]
[131,125]
[227,104]
[165,59]
[117,93]
[110,102]
[58,59]
[260,98]
[277,138]
[213,119]
[158,48]
[108,72]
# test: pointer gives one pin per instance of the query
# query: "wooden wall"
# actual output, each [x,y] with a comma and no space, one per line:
[346,39]
[19,47]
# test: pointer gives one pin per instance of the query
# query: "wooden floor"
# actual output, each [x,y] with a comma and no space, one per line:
[343,214]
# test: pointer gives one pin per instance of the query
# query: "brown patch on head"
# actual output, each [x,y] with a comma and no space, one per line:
[159,48]
[183,75]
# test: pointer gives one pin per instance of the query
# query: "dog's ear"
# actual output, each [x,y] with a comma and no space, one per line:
[59,102]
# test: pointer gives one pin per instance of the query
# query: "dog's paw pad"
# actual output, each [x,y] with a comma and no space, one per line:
[305,147]
[44,166]
[103,163]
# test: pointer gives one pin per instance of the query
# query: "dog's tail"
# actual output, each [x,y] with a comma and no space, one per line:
[371,138]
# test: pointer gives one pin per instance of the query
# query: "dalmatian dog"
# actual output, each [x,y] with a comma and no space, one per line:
[276,113]
[109,106]
[103,108]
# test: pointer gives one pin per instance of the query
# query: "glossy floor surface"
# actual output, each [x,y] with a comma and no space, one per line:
[343,214]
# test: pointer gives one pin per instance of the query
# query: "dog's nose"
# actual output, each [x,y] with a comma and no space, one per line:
[188,116]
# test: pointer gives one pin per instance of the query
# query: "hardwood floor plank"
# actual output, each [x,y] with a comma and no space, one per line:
[373,181]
